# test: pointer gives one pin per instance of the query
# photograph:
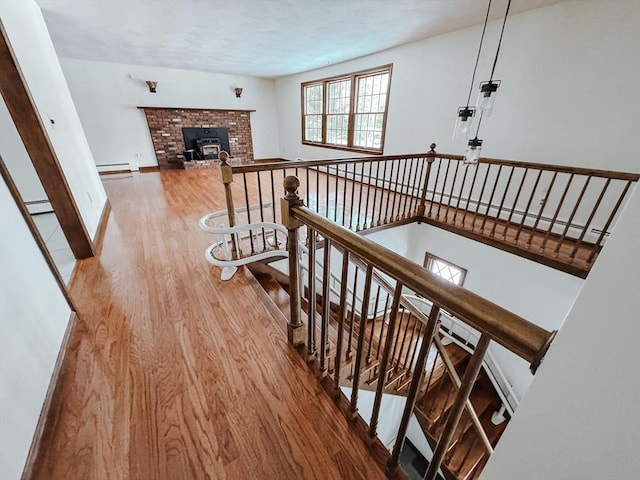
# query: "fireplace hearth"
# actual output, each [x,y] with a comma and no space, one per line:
[208,148]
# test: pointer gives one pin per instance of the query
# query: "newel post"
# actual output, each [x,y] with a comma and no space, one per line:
[295,328]
[227,180]
[430,157]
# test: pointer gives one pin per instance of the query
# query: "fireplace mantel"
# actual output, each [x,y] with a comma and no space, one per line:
[142,107]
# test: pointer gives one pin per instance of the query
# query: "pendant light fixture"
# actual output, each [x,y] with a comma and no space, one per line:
[487,94]
[464,120]
[472,153]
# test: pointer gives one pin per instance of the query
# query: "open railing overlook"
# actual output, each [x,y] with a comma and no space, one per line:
[556,215]
[349,313]
[494,323]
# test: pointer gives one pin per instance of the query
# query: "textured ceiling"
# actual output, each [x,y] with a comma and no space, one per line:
[266,38]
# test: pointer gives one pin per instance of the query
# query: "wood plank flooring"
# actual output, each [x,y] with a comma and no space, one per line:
[173,374]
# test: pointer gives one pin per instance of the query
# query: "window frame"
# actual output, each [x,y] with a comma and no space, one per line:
[353,77]
[429,258]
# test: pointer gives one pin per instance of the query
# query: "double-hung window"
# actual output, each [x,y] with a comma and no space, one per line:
[348,112]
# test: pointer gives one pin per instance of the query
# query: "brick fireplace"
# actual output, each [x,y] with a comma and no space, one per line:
[166,124]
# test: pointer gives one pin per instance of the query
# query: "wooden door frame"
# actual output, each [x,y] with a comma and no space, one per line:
[23,111]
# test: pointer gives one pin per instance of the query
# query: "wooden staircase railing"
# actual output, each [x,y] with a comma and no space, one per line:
[358,193]
[471,445]
[556,215]
[494,323]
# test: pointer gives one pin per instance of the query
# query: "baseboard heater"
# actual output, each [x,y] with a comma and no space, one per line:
[115,167]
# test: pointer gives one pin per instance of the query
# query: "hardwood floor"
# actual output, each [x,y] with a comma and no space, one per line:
[173,374]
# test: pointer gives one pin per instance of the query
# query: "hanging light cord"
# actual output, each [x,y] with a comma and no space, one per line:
[495,61]
[479,123]
[473,78]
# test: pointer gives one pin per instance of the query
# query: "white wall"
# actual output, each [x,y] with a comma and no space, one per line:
[580,419]
[107,101]
[33,319]
[569,91]
[537,293]
[31,43]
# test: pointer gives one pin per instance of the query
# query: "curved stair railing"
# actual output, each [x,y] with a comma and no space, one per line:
[231,239]
[227,253]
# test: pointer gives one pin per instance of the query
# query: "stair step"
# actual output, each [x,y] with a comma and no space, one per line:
[404,383]
[469,452]
[481,405]
[365,367]
[494,432]
[458,356]
[397,376]
[437,400]
[374,379]
[276,292]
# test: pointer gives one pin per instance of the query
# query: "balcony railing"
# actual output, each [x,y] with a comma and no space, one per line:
[556,215]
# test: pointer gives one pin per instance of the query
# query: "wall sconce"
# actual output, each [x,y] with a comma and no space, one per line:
[238,91]
[152,85]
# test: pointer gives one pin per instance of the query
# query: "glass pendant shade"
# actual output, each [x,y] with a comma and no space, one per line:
[472,153]
[487,97]
[464,122]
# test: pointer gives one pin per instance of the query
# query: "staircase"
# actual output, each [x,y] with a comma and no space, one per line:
[466,455]
[395,347]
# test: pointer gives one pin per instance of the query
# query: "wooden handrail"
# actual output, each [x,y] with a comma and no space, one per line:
[262,167]
[614,175]
[518,335]
[521,207]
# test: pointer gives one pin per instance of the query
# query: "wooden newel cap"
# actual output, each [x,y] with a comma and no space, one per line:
[291,184]
[223,157]
[433,148]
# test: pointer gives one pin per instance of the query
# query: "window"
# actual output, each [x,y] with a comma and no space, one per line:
[347,112]
[313,113]
[444,269]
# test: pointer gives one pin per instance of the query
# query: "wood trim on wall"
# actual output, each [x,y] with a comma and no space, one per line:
[23,111]
[150,168]
[506,247]
[198,108]
[102,228]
